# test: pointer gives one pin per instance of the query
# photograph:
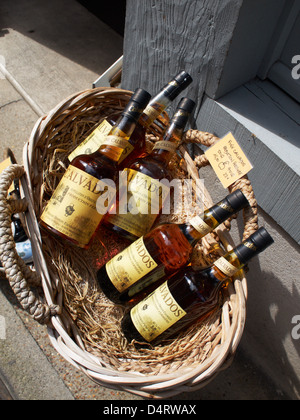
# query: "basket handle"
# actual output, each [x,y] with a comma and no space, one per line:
[19,275]
[200,161]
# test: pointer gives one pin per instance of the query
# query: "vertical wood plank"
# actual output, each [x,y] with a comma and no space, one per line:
[163,37]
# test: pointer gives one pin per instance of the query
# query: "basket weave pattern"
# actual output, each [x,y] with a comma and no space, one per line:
[83,325]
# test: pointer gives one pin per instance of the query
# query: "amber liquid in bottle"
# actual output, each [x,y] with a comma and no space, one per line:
[143,176]
[136,147]
[189,295]
[169,246]
[153,112]
[72,212]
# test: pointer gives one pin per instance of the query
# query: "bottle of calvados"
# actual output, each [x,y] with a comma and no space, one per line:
[161,252]
[72,211]
[136,146]
[189,295]
[154,111]
[139,205]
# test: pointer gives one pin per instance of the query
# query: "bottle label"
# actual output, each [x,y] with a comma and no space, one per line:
[152,113]
[156,313]
[226,267]
[99,137]
[126,152]
[165,145]
[199,224]
[140,205]
[92,143]
[130,265]
[72,208]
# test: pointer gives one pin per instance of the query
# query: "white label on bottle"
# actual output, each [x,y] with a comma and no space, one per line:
[226,267]
[156,313]
[130,265]
[199,224]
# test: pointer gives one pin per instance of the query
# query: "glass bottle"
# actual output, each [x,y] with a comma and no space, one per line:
[136,147]
[73,212]
[188,296]
[161,252]
[141,200]
[153,112]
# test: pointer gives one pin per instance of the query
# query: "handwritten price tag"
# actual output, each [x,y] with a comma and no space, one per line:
[228,160]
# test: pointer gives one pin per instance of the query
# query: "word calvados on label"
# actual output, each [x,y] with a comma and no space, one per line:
[72,209]
[198,223]
[130,265]
[156,313]
[228,160]
[141,204]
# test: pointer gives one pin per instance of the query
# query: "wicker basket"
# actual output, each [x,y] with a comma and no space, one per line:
[83,325]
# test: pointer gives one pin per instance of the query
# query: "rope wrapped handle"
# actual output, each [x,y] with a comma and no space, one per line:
[200,161]
[19,275]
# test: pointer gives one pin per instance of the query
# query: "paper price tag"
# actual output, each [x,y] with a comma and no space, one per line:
[228,160]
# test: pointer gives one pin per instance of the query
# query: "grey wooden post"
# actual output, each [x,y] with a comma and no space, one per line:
[163,37]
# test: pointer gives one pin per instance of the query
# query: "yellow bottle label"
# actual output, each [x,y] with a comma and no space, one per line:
[92,143]
[126,152]
[140,206]
[152,113]
[225,266]
[199,224]
[155,314]
[116,141]
[165,145]
[72,208]
[130,265]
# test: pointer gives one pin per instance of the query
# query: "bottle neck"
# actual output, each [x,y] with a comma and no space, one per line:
[117,139]
[164,149]
[236,259]
[211,218]
[154,109]
[227,266]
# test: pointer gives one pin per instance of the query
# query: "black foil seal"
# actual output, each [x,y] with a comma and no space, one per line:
[137,104]
[177,85]
[256,243]
[232,204]
[183,111]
